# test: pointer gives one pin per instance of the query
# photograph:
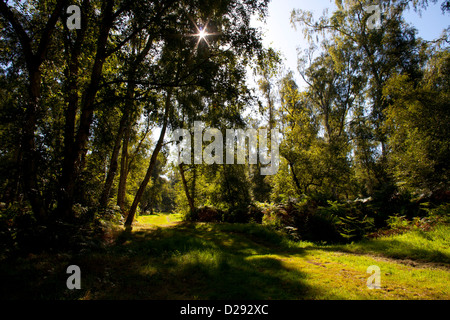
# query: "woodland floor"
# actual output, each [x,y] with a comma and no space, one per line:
[166,259]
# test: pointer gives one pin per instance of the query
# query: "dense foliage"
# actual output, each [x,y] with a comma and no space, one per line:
[86,116]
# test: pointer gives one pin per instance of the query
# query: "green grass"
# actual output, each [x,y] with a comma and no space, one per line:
[235,261]
[430,246]
[160,219]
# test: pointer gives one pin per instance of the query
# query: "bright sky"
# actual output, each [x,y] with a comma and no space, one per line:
[280,34]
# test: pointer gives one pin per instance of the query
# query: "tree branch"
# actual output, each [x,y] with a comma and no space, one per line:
[24,39]
[49,27]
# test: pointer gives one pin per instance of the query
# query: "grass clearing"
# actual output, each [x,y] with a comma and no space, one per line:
[160,219]
[430,246]
[234,261]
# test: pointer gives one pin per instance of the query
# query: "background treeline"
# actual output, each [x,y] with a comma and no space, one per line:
[86,116]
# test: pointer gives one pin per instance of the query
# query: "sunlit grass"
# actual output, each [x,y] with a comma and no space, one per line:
[251,261]
[159,219]
[239,261]
[432,246]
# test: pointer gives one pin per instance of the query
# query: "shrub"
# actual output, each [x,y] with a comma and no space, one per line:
[352,221]
[426,221]
[243,215]
[311,220]
[111,214]
[208,214]
[271,219]
[397,222]
[440,213]
[255,214]
[235,215]
[279,216]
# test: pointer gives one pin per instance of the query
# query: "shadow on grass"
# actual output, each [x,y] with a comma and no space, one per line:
[199,262]
[395,249]
[186,261]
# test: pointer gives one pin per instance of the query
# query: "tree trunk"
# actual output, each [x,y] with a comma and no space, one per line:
[124,127]
[70,119]
[33,62]
[30,182]
[12,188]
[194,185]
[327,124]
[126,164]
[123,171]
[151,206]
[74,162]
[113,165]
[152,164]
[186,188]
[294,177]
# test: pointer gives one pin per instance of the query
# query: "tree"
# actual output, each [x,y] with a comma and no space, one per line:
[300,136]
[374,55]
[203,69]
[34,51]
[127,58]
[418,126]
[267,68]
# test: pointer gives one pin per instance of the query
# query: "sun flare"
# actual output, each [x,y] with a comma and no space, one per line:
[202,33]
